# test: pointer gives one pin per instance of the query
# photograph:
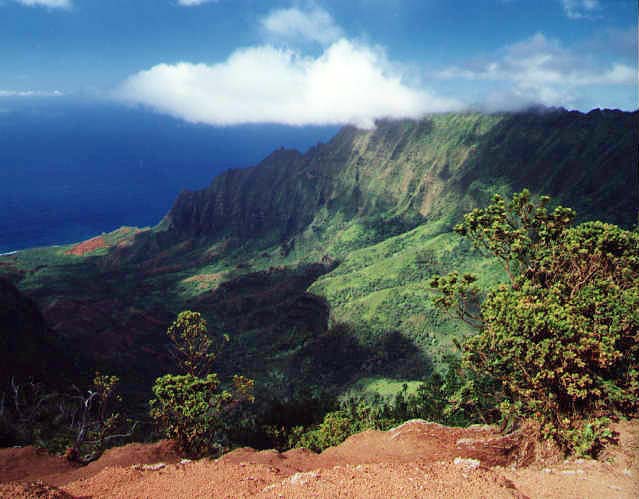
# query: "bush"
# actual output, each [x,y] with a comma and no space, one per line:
[191,408]
[196,413]
[559,341]
[82,423]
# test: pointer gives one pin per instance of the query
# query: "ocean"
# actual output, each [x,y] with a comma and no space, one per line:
[71,169]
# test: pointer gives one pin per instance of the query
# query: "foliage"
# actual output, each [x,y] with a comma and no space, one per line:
[82,423]
[195,413]
[191,408]
[355,415]
[27,414]
[95,420]
[193,348]
[560,340]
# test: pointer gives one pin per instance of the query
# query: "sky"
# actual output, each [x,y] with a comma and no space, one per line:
[321,62]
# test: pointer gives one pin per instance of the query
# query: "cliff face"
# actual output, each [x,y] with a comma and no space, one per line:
[416,169]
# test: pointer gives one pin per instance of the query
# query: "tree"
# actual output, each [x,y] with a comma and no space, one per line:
[190,408]
[193,348]
[560,339]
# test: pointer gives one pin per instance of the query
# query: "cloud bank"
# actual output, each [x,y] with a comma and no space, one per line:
[347,83]
[53,4]
[315,25]
[541,70]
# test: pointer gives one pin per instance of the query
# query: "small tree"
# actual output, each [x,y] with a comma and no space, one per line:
[190,408]
[193,348]
[560,340]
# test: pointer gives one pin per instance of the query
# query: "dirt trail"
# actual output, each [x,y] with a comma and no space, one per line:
[417,459]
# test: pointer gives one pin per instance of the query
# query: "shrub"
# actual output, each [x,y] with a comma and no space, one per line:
[191,408]
[195,413]
[559,341]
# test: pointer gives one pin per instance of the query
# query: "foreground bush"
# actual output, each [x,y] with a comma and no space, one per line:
[191,408]
[80,423]
[559,341]
[196,413]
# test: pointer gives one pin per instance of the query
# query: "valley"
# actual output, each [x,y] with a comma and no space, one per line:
[317,264]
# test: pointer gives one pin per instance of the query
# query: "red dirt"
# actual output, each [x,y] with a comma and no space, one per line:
[416,459]
[86,247]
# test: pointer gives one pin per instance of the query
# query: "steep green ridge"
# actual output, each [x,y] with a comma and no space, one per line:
[413,170]
[317,263]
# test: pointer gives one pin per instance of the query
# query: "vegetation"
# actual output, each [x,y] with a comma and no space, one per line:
[95,421]
[559,341]
[195,413]
[82,423]
[194,350]
[319,265]
[191,408]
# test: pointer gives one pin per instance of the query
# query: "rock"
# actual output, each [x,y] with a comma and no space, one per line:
[467,464]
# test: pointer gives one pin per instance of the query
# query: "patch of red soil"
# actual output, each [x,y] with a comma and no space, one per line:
[416,459]
[35,490]
[29,464]
[86,247]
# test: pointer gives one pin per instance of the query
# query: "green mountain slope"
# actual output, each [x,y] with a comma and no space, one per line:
[317,263]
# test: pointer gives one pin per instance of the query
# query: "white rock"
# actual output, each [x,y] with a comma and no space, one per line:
[153,467]
[467,464]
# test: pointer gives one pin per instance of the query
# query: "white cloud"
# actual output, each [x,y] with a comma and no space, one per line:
[315,25]
[579,9]
[193,3]
[53,4]
[30,93]
[347,83]
[541,70]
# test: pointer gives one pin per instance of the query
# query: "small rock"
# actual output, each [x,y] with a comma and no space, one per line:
[302,478]
[467,464]
[185,461]
[153,467]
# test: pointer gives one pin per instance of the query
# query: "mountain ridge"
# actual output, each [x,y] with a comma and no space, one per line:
[362,172]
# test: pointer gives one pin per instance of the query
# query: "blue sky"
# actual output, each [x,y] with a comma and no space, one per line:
[226,62]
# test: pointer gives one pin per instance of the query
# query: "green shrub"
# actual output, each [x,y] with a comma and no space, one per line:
[196,413]
[194,349]
[191,408]
[559,342]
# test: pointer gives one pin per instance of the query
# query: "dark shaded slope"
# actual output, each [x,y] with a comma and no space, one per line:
[588,161]
[27,347]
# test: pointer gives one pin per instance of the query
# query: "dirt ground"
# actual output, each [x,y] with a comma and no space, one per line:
[416,459]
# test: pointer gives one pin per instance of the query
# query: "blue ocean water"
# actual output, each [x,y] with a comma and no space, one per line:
[71,169]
